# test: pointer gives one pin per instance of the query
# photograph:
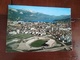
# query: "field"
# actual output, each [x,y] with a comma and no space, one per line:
[19,36]
[37,43]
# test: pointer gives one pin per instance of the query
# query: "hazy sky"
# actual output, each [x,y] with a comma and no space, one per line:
[57,11]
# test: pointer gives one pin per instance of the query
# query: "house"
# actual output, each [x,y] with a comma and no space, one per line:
[13,32]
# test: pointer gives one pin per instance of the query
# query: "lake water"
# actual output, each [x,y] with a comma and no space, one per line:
[50,21]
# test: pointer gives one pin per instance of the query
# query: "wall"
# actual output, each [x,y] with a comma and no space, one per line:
[68,55]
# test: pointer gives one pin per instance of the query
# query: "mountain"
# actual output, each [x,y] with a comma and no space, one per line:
[28,15]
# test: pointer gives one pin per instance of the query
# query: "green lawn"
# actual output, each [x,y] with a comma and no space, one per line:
[19,36]
[9,49]
[37,43]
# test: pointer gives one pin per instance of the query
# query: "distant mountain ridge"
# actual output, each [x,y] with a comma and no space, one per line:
[28,15]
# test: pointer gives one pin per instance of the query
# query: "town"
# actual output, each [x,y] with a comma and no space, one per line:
[59,32]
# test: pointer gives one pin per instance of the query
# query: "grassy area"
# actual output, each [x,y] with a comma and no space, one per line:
[38,43]
[9,49]
[19,36]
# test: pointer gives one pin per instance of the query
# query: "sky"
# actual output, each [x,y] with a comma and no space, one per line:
[56,11]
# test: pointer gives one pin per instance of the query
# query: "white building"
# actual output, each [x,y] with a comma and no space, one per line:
[51,42]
